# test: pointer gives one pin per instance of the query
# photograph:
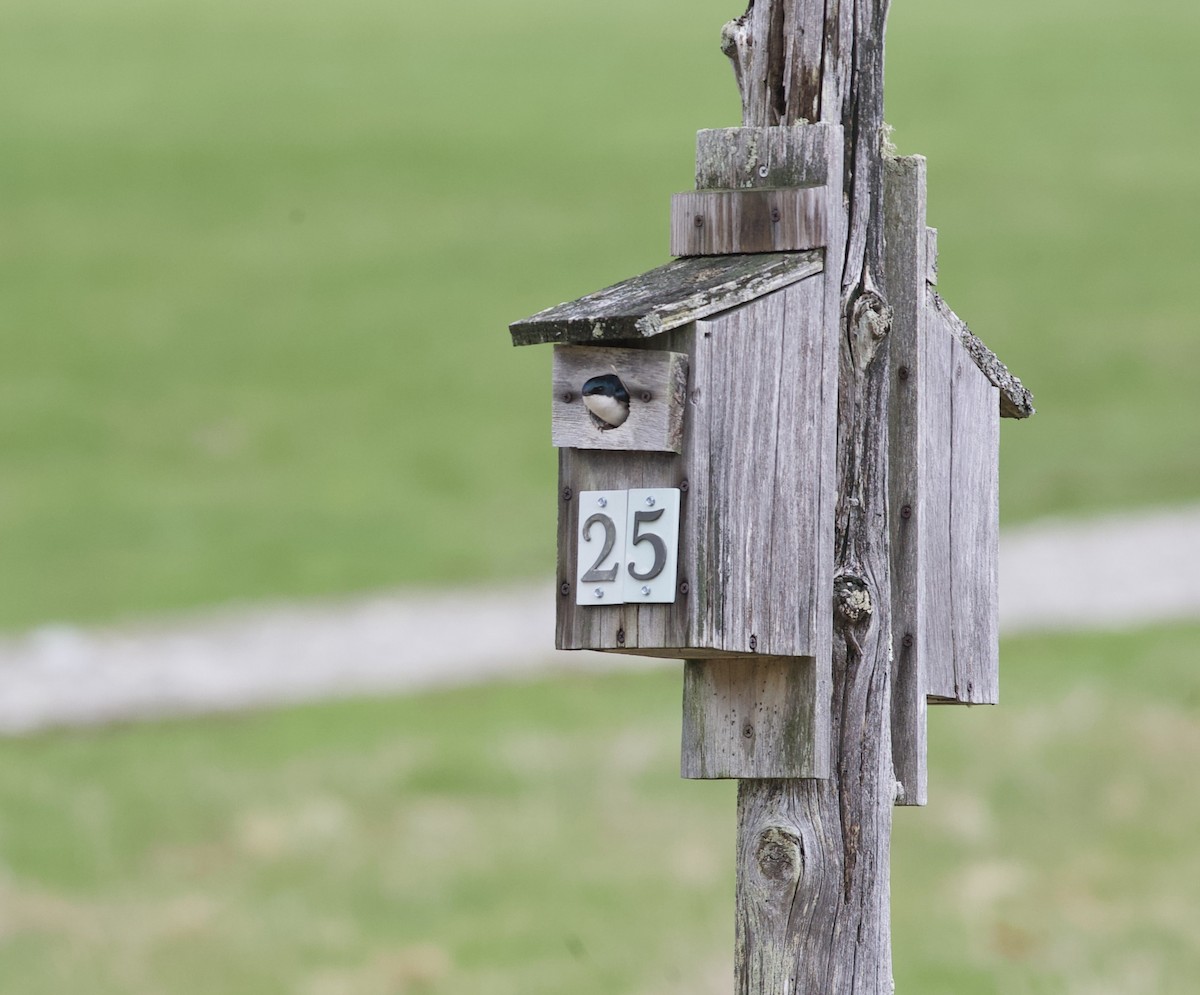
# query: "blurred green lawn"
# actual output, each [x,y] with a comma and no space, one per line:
[257,259]
[535,838]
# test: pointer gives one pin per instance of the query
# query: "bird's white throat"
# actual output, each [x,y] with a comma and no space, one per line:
[607,409]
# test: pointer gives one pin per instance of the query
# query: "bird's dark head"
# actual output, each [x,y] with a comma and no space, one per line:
[608,385]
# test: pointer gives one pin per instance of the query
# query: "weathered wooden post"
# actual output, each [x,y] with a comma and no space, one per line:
[778,462]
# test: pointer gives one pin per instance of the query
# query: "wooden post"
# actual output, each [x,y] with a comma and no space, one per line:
[756,389]
[813,876]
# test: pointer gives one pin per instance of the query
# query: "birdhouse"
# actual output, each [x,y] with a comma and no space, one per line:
[695,411]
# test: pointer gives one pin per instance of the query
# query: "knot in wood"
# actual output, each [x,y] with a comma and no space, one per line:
[852,599]
[870,321]
[780,855]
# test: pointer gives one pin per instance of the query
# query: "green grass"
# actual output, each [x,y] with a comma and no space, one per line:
[535,838]
[257,259]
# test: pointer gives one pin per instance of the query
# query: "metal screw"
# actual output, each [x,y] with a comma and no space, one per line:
[683,486]
[603,502]
[907,641]
[599,592]
[699,221]
[906,512]
[568,397]
[621,637]
[564,588]
[646,397]
[748,731]
[763,170]
[567,494]
[650,501]
[903,372]
[753,643]
[646,590]
[776,217]
[684,587]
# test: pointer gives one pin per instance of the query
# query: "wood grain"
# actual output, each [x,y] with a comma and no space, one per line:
[974,530]
[657,385]
[959,482]
[713,222]
[813,876]
[752,158]
[905,272]
[665,298]
[752,717]
[934,628]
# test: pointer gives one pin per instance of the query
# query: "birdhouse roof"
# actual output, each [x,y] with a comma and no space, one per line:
[1015,399]
[676,294]
[696,287]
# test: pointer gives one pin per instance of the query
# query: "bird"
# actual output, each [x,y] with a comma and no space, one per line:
[607,399]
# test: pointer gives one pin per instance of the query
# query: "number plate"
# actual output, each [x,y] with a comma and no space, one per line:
[628,547]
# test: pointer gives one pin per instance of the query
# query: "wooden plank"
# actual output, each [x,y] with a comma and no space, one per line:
[669,297]
[934,636]
[750,717]
[958,638]
[656,381]
[716,222]
[974,531]
[755,158]
[905,270]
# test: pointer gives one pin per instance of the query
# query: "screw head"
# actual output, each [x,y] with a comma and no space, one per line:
[683,486]
[603,502]
[684,587]
[568,397]
[763,170]
[748,731]
[599,592]
[621,637]
[646,590]
[650,501]
[567,494]
[646,397]
[699,221]
[776,217]
[564,588]
[906,512]
[907,641]
[903,372]
[753,643]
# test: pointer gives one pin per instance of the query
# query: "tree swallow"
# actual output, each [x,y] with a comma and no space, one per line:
[607,399]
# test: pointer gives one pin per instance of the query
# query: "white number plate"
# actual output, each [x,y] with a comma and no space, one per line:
[628,547]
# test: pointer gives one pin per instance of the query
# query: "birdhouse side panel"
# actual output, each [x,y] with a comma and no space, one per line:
[959,528]
[974,531]
[934,625]
[766,556]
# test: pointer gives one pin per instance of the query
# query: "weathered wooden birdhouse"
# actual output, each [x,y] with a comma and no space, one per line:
[695,409]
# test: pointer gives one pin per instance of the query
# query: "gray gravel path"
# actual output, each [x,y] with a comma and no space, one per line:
[1106,573]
